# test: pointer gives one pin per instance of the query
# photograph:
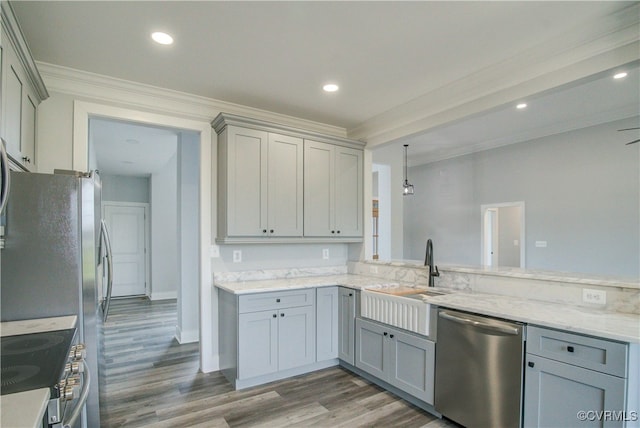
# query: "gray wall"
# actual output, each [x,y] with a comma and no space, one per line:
[125,189]
[581,192]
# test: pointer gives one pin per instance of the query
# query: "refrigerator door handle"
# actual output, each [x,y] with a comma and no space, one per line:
[6,175]
[104,233]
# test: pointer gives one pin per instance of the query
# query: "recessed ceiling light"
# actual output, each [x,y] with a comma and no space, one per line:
[162,38]
[330,87]
[620,75]
[521,106]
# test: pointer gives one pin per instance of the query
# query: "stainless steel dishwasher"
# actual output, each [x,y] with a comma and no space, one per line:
[479,370]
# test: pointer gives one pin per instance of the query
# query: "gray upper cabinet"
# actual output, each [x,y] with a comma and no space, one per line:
[262,187]
[283,185]
[22,91]
[333,190]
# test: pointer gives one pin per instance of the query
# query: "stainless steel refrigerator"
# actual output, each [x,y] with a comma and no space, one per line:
[52,257]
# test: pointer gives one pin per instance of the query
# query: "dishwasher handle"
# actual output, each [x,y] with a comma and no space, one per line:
[506,329]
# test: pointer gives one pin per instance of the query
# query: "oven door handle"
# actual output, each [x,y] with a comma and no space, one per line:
[84,394]
[501,328]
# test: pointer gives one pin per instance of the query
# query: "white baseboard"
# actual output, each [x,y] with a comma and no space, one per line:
[164,295]
[186,336]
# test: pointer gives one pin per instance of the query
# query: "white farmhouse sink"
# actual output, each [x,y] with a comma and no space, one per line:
[408,312]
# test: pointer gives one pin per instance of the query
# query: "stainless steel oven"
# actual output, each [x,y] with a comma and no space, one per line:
[50,359]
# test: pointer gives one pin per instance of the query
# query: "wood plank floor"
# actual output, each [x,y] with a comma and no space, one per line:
[153,381]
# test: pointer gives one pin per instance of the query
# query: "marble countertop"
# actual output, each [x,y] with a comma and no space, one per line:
[346,280]
[14,328]
[609,325]
[26,409]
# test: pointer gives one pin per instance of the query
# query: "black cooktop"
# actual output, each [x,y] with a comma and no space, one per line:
[31,361]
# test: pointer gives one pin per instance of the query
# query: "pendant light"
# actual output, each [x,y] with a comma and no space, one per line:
[407,188]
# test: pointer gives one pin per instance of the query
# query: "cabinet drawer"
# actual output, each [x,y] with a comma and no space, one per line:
[596,354]
[276,300]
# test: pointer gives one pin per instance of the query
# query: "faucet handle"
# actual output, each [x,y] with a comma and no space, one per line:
[436,273]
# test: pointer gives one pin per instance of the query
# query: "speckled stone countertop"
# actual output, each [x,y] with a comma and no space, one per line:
[604,324]
[13,328]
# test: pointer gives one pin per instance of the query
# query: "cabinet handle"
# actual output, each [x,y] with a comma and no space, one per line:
[282,314]
[570,349]
[531,364]
[277,300]
[391,336]
[264,230]
[26,159]
[271,231]
[333,231]
[350,294]
[385,333]
[338,231]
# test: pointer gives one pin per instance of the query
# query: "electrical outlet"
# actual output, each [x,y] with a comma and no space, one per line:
[237,256]
[214,252]
[598,297]
[541,244]
[325,254]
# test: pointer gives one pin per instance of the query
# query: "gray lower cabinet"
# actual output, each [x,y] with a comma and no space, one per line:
[346,322]
[276,331]
[327,323]
[573,380]
[403,360]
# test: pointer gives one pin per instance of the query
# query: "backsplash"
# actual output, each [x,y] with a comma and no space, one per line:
[621,296]
[258,275]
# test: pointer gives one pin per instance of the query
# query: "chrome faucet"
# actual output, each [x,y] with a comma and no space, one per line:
[428,261]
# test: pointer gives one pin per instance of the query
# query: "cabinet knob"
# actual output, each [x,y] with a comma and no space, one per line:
[274,315]
[385,333]
[350,294]
[282,314]
[264,230]
[271,231]
[277,300]
[531,364]
[570,349]
[338,231]
[391,336]
[333,231]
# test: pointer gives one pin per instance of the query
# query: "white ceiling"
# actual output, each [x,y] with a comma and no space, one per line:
[123,148]
[277,55]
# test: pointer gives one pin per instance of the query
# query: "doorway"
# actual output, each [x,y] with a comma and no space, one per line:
[503,234]
[201,295]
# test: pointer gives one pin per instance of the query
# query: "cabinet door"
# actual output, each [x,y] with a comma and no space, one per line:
[28,142]
[257,344]
[556,392]
[412,365]
[285,186]
[297,337]
[327,323]
[346,322]
[371,348]
[319,210]
[348,193]
[12,87]
[246,182]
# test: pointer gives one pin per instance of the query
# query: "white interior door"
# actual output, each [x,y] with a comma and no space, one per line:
[127,227]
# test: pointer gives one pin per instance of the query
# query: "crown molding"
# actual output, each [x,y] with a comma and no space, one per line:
[12,28]
[108,89]
[579,52]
